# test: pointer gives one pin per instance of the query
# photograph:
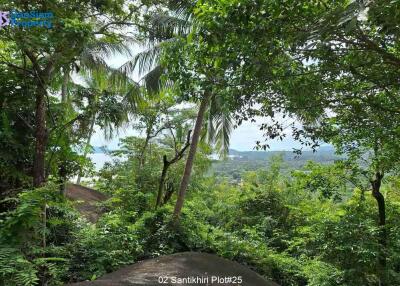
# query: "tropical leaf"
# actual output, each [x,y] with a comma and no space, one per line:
[219,127]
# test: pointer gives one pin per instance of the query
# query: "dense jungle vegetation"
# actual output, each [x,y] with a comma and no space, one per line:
[318,71]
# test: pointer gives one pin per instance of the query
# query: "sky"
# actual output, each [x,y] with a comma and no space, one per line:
[243,138]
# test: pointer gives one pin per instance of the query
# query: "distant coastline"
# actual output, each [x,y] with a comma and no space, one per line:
[100,155]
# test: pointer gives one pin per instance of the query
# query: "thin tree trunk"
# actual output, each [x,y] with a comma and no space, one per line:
[44,243]
[166,165]
[41,138]
[380,199]
[64,87]
[39,168]
[64,99]
[143,152]
[86,150]
[44,230]
[168,193]
[192,152]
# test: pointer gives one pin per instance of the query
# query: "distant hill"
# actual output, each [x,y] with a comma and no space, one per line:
[257,155]
[323,153]
[99,149]
[242,161]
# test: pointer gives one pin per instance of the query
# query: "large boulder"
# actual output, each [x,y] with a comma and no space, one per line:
[188,268]
[86,201]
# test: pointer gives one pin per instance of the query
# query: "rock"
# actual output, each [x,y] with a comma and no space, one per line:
[86,200]
[188,268]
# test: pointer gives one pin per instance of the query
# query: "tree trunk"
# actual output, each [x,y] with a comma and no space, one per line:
[86,150]
[143,151]
[192,152]
[168,193]
[62,172]
[62,175]
[41,138]
[166,165]
[64,87]
[162,181]
[380,199]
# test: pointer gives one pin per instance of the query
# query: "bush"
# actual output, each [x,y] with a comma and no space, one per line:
[33,237]
[102,248]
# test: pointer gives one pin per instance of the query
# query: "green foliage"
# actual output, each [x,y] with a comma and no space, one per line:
[15,135]
[293,236]
[275,222]
[329,181]
[15,269]
[332,66]
[158,234]
[33,237]
[102,249]
[143,179]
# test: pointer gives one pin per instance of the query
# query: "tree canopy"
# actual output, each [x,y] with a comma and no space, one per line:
[320,72]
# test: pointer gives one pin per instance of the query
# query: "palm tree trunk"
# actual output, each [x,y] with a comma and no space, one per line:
[192,152]
[86,150]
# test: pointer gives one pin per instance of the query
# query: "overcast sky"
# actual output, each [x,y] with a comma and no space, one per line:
[243,139]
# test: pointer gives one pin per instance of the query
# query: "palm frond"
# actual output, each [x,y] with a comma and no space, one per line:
[223,126]
[95,55]
[219,127]
[107,49]
[164,26]
[133,98]
[89,62]
[152,80]
[144,61]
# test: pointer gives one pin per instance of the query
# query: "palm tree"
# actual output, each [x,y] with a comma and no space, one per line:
[97,76]
[111,101]
[165,29]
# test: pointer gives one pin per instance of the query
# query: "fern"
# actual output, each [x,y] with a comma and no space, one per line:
[15,270]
